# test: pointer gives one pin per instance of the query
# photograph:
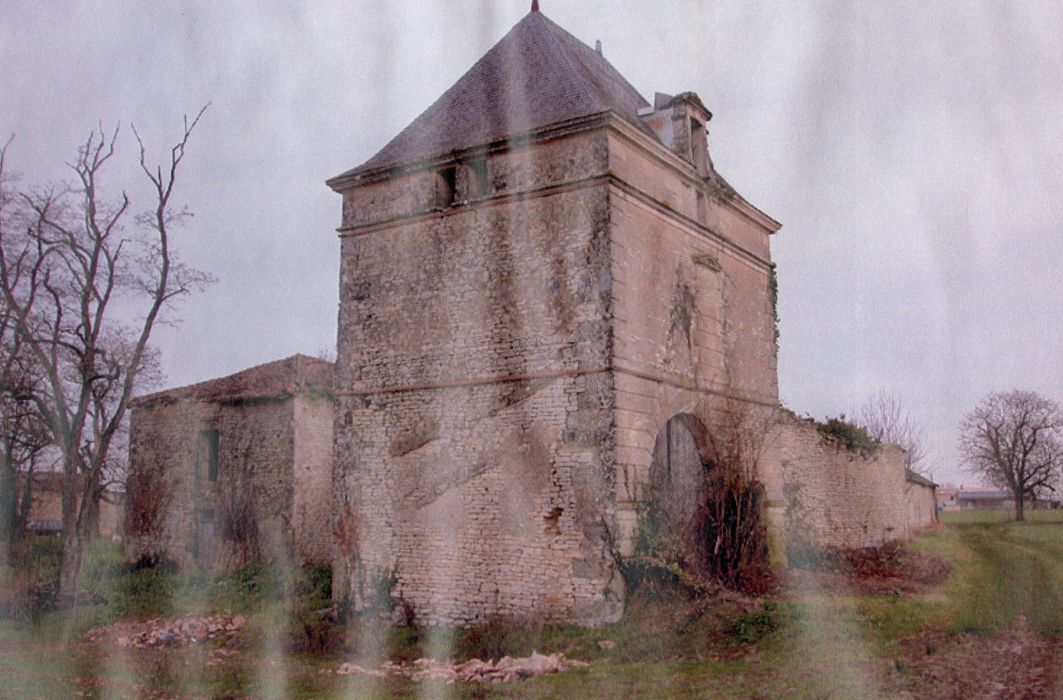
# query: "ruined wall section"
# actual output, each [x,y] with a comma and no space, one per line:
[825,494]
[473,428]
[245,513]
[313,417]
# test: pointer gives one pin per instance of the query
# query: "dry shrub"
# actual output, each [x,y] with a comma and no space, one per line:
[726,544]
[889,562]
[147,499]
[312,632]
[731,522]
[239,526]
[733,534]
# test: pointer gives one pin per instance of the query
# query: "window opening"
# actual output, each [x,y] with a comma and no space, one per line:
[447,186]
[209,441]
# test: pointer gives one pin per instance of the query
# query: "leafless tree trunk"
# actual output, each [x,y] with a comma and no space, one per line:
[66,255]
[23,438]
[1015,441]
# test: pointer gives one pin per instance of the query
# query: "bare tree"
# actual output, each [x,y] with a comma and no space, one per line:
[1013,440]
[24,444]
[75,267]
[886,420]
[22,437]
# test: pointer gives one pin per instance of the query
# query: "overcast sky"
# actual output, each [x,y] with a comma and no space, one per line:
[912,150]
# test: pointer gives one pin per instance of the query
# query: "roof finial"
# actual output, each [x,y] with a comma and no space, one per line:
[535,5]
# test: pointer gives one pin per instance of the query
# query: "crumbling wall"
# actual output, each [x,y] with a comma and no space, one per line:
[244,514]
[474,405]
[823,493]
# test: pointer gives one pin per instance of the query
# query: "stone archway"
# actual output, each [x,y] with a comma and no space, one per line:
[677,479]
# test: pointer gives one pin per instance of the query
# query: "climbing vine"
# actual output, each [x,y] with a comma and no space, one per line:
[773,295]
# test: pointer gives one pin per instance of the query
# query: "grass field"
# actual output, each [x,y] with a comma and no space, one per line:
[1007,579]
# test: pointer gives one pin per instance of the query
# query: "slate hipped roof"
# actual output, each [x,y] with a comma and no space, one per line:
[278,379]
[536,75]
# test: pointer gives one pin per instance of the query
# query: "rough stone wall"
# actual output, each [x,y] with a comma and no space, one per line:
[825,494]
[922,505]
[196,517]
[160,519]
[473,427]
[313,418]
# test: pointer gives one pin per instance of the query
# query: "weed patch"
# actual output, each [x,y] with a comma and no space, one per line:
[751,627]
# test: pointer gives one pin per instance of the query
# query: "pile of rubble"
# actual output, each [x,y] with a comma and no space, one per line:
[168,632]
[504,670]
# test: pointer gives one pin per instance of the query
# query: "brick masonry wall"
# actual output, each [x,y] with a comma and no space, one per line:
[473,425]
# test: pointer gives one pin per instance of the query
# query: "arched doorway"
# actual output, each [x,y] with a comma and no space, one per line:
[677,484]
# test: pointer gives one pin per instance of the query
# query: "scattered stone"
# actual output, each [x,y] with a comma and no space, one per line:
[606,644]
[168,632]
[505,670]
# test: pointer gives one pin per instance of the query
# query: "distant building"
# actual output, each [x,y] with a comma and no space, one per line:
[234,469]
[996,499]
[46,510]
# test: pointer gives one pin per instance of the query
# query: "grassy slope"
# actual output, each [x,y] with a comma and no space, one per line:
[814,644]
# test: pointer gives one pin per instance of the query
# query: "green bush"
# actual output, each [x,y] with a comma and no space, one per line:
[313,586]
[848,434]
[144,592]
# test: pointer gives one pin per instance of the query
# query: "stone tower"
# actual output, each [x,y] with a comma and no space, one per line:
[546,291]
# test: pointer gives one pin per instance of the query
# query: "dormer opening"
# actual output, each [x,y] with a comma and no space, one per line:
[446,186]
[699,147]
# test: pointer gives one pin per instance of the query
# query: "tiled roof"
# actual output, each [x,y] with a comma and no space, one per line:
[917,478]
[536,75]
[293,375]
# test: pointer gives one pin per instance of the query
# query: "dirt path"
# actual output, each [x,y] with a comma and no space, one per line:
[1017,664]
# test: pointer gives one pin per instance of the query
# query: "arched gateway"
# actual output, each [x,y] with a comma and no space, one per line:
[678,483]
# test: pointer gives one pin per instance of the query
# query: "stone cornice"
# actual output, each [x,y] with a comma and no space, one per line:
[547,190]
[645,374]
[688,172]
[653,149]
[551,131]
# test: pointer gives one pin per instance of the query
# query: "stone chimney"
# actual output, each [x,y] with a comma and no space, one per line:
[680,122]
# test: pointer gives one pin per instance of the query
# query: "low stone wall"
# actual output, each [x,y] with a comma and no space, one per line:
[822,493]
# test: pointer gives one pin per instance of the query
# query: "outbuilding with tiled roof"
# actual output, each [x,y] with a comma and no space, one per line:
[234,469]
